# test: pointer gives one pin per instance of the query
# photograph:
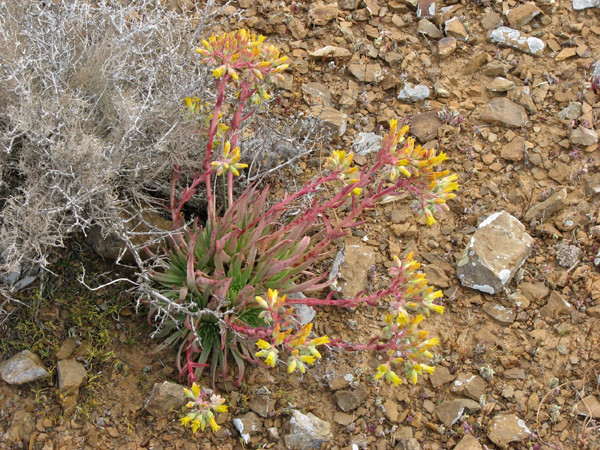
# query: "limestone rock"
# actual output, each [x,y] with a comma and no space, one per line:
[496,251]
[334,120]
[507,428]
[584,4]
[307,432]
[514,38]
[24,367]
[331,51]
[446,46]
[366,143]
[450,411]
[425,9]
[413,93]
[502,111]
[552,204]
[71,376]
[165,397]
[441,376]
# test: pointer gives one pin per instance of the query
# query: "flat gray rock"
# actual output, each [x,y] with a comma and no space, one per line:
[501,111]
[307,432]
[71,376]
[24,367]
[496,251]
[507,428]
[165,397]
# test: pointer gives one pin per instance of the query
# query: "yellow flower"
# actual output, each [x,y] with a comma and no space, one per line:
[196,424]
[213,424]
[271,359]
[220,408]
[292,363]
[196,389]
[437,308]
[381,371]
[394,378]
[263,344]
[424,368]
[307,359]
[186,419]
[319,341]
[430,218]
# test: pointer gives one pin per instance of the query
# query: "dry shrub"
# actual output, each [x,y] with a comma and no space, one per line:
[90,121]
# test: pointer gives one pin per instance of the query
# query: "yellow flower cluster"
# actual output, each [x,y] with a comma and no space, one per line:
[228,162]
[341,162]
[203,409]
[242,55]
[303,350]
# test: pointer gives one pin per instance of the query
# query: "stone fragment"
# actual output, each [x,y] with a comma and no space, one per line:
[24,367]
[491,21]
[368,73]
[331,51]
[353,267]
[425,9]
[455,28]
[451,411]
[514,38]
[436,276]
[584,4]
[343,418]
[425,126]
[555,306]
[468,442]
[413,93]
[67,348]
[163,398]
[21,428]
[297,28]
[441,376]
[554,203]
[366,143]
[262,405]
[592,183]
[316,94]
[446,46]
[390,408]
[334,120]
[500,84]
[501,111]
[71,376]
[320,14]
[429,29]
[534,291]
[589,406]
[496,251]
[583,136]
[504,316]
[349,400]
[495,68]
[514,150]
[568,255]
[248,425]
[307,432]
[571,112]
[514,373]
[507,428]
[566,53]
[286,82]
[469,385]
[522,15]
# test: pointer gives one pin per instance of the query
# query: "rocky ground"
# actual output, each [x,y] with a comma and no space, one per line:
[519,361]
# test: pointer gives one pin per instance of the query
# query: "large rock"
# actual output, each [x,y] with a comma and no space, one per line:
[496,251]
[165,397]
[413,93]
[583,136]
[514,38]
[249,425]
[501,111]
[522,15]
[24,367]
[71,376]
[349,400]
[307,432]
[352,264]
[507,428]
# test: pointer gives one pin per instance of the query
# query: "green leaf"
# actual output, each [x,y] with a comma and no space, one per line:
[250,316]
